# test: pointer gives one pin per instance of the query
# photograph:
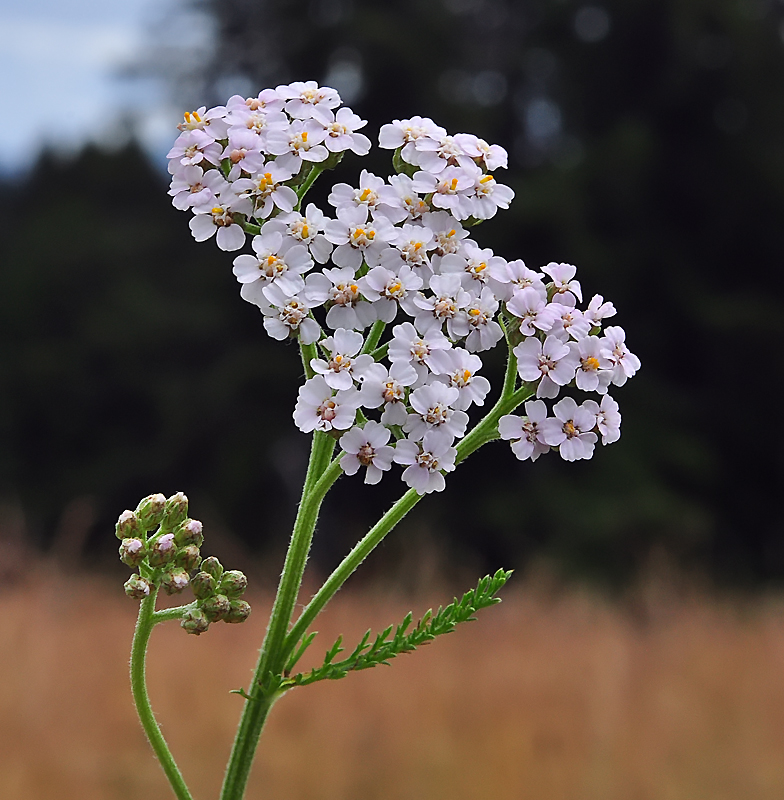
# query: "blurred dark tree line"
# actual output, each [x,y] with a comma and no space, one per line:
[647,147]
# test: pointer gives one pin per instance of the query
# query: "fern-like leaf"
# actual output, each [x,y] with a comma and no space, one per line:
[370,652]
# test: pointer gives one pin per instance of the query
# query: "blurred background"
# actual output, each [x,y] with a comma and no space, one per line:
[646,142]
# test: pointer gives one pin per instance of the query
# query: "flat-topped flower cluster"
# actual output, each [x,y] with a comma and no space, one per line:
[395,252]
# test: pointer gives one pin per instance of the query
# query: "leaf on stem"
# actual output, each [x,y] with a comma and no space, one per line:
[386,645]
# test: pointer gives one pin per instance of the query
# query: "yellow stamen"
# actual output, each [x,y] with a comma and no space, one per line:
[474,312]
[354,287]
[452,232]
[480,267]
[569,429]
[217,210]
[591,363]
[196,116]
[486,179]
[304,136]
[466,374]
[364,196]
[454,184]
[187,116]
[304,231]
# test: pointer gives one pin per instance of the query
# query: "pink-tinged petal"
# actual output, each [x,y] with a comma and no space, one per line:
[349,463]
[510,426]
[536,410]
[230,238]
[202,227]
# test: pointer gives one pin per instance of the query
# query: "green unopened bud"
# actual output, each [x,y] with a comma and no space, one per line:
[216,608]
[188,557]
[176,511]
[233,583]
[194,621]
[150,511]
[239,611]
[163,550]
[213,567]
[190,532]
[138,587]
[127,525]
[132,552]
[203,585]
[174,580]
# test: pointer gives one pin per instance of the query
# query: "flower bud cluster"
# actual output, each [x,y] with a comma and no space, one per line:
[218,593]
[160,541]
[396,252]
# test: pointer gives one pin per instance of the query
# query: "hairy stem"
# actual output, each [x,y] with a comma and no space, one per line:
[374,336]
[141,637]
[320,476]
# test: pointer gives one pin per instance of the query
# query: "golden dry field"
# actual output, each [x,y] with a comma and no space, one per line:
[550,696]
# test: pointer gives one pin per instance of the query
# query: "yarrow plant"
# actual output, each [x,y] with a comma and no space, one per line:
[392,304]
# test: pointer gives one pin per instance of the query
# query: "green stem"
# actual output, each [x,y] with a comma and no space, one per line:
[380,352]
[308,353]
[373,337]
[302,190]
[141,638]
[349,564]
[249,227]
[171,613]
[320,476]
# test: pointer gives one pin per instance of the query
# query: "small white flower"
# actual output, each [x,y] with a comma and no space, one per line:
[448,188]
[344,365]
[552,362]
[301,141]
[613,347]
[304,229]
[284,315]
[448,301]
[357,238]
[598,310]
[386,288]
[458,368]
[192,187]
[367,447]
[388,388]
[570,430]
[593,373]
[320,408]
[208,221]
[488,196]
[532,311]
[608,418]
[568,321]
[341,132]
[306,100]
[514,278]
[192,147]
[244,152]
[408,345]
[340,287]
[483,331]
[524,433]
[433,412]
[274,262]
[426,460]
[562,275]
[493,156]
[412,206]
[260,195]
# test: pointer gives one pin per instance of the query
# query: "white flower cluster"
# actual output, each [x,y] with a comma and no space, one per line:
[400,253]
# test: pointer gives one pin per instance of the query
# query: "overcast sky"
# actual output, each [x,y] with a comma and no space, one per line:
[59,61]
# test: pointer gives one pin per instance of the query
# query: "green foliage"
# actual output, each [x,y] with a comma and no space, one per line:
[386,645]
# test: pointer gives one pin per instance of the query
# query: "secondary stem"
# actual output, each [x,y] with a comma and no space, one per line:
[141,638]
